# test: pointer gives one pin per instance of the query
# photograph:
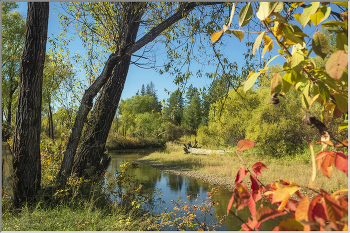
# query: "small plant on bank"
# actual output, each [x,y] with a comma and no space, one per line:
[325,211]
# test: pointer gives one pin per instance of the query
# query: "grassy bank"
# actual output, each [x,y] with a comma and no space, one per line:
[297,169]
[121,142]
[66,218]
[110,203]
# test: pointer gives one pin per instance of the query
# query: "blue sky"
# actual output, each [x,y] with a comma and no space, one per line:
[138,76]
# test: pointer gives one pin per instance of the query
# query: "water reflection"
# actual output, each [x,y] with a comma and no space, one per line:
[174,186]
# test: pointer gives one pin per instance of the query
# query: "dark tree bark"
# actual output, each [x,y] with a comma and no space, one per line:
[91,152]
[50,122]
[91,92]
[9,109]
[26,143]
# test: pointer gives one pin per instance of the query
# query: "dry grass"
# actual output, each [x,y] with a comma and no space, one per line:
[227,166]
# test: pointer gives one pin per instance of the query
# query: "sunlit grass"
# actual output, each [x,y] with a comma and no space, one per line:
[82,205]
[297,169]
[64,218]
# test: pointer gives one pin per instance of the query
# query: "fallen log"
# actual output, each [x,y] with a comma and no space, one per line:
[207,152]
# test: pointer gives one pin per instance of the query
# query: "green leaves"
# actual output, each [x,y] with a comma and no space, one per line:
[290,35]
[263,11]
[245,15]
[297,61]
[308,11]
[266,8]
[336,64]
[258,42]
[238,34]
[342,41]
[320,44]
[323,90]
[341,102]
[250,80]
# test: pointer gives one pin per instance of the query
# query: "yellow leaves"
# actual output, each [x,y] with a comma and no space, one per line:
[307,12]
[258,42]
[297,61]
[282,192]
[250,80]
[268,44]
[215,36]
[321,15]
[291,225]
[301,212]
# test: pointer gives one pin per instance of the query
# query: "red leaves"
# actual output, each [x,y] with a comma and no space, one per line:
[324,212]
[230,204]
[252,206]
[240,175]
[341,162]
[244,144]
[255,188]
[334,210]
[241,195]
[265,213]
[257,168]
[252,224]
[326,158]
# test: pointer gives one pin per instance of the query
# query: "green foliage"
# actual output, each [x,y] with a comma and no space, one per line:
[328,80]
[148,124]
[276,129]
[173,112]
[192,113]
[129,110]
[13,34]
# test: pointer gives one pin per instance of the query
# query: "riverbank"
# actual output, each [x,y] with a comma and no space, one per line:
[221,170]
[121,143]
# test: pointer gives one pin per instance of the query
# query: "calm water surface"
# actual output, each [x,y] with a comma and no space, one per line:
[176,186]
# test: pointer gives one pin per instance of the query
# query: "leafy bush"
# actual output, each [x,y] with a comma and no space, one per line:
[325,211]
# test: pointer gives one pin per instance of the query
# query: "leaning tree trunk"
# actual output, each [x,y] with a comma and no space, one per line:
[91,92]
[91,154]
[26,143]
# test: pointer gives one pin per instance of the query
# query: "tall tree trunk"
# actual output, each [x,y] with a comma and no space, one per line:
[91,92]
[9,109]
[50,122]
[49,130]
[26,143]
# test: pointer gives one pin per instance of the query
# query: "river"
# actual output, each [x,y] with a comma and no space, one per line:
[176,186]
